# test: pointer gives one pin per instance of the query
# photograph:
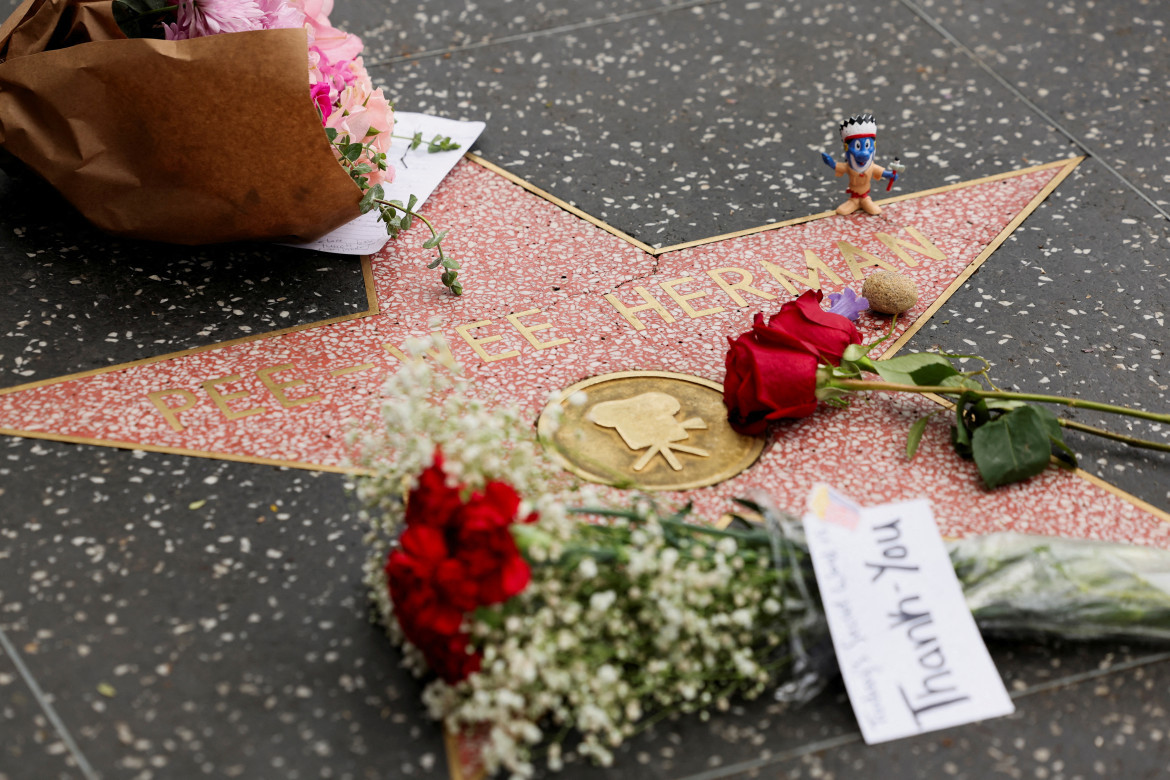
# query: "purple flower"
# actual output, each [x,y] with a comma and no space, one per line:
[197,18]
[847,304]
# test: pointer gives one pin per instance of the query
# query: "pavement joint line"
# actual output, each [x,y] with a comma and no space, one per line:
[548,31]
[82,763]
[954,41]
[1092,674]
[720,773]
[786,755]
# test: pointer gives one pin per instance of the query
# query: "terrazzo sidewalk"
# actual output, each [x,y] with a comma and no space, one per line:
[195,608]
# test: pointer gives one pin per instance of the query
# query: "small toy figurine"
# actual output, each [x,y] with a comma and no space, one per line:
[859,134]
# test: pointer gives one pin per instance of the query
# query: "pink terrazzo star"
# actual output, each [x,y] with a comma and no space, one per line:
[553,299]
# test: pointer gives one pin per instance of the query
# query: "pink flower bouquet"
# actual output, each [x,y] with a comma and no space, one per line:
[185,134]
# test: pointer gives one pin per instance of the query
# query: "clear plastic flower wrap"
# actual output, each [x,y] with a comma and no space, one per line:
[1020,585]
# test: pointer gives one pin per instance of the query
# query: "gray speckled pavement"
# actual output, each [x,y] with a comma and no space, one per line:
[171,617]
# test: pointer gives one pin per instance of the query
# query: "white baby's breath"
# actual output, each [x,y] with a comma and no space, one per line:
[620,621]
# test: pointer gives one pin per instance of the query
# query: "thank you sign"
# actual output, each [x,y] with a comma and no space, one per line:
[911,656]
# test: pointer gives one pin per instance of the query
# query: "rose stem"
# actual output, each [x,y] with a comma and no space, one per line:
[857,384]
[1130,440]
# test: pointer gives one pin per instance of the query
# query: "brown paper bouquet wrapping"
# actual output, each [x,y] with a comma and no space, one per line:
[191,142]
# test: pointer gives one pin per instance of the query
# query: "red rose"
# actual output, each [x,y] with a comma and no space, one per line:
[453,557]
[450,659]
[433,502]
[771,369]
[495,507]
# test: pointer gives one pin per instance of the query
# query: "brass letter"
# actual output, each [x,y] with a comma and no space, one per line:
[527,330]
[629,312]
[814,266]
[477,344]
[682,300]
[221,399]
[744,284]
[278,388]
[899,246]
[171,412]
[851,253]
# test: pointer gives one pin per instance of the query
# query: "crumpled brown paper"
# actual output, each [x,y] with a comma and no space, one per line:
[189,142]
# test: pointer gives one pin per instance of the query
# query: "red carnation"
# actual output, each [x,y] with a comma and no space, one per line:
[771,369]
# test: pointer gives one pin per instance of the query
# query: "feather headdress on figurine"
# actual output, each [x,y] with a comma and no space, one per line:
[860,126]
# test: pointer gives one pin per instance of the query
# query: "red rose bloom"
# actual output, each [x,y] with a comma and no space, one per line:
[453,557]
[771,369]
[432,502]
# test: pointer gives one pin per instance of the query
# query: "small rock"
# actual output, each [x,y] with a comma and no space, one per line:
[889,292]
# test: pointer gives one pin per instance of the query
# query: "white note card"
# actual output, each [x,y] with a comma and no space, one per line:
[416,172]
[909,650]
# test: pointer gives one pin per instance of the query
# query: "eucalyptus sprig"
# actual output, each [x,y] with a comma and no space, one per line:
[397,216]
[1011,436]
[440,143]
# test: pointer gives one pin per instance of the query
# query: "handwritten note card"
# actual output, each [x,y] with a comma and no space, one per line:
[909,650]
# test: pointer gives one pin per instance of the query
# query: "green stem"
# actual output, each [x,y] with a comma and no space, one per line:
[415,215]
[449,281]
[1130,440]
[858,384]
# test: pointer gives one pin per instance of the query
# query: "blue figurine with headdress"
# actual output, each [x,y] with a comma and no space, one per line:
[859,136]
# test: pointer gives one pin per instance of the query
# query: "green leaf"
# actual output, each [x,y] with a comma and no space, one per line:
[1064,454]
[441,143]
[856,359]
[958,380]
[353,151]
[922,369]
[933,374]
[331,134]
[1012,448]
[411,202]
[855,352]
[367,201]
[451,263]
[416,141]
[914,438]
[435,240]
